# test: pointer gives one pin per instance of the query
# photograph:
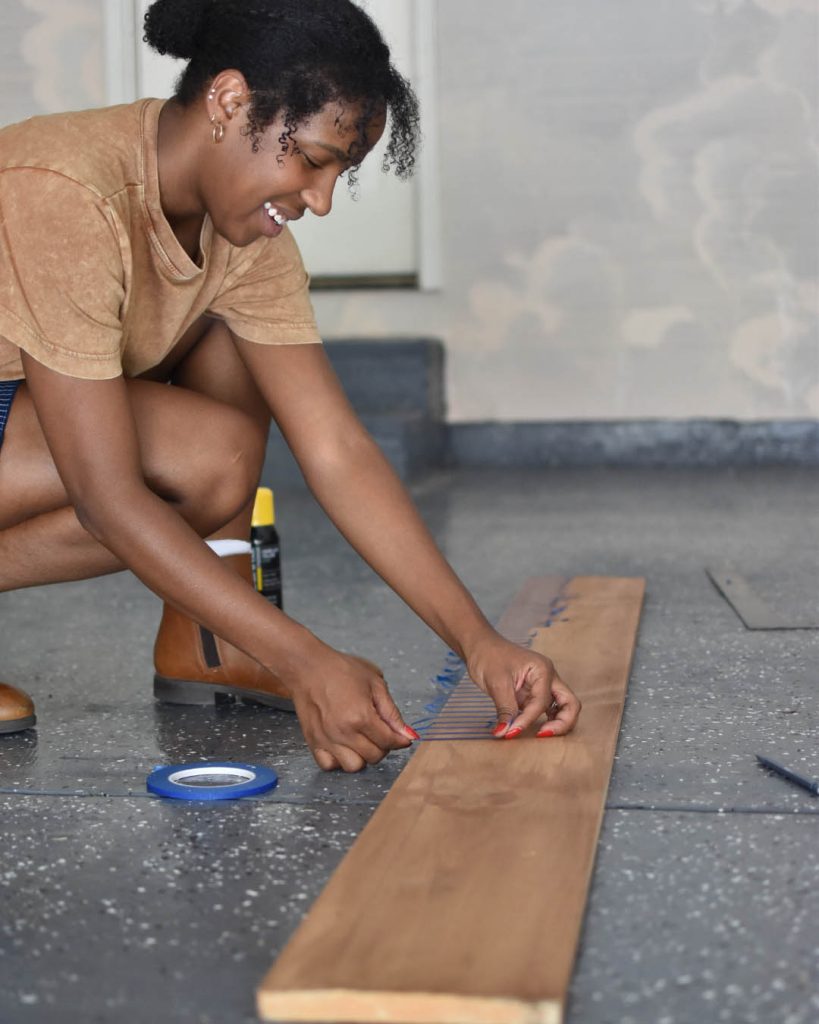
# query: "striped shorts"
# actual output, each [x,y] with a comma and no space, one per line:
[8,389]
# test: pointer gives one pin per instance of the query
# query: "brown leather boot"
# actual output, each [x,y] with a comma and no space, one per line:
[195,667]
[16,710]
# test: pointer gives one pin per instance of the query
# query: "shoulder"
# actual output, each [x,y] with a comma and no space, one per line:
[98,149]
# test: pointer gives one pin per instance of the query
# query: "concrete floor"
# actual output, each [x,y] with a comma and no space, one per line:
[118,906]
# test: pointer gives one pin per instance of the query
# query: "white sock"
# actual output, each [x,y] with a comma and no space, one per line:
[229,547]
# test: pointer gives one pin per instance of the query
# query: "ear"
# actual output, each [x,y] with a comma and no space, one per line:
[227,93]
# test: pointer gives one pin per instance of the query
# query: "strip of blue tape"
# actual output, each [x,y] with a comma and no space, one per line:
[467,721]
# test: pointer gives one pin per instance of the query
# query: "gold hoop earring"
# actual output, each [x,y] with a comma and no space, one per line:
[218,129]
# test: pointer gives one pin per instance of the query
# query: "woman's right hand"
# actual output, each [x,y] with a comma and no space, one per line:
[347,715]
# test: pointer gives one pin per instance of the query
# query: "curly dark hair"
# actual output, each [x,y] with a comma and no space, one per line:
[297,56]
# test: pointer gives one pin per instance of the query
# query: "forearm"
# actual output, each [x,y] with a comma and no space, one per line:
[369,505]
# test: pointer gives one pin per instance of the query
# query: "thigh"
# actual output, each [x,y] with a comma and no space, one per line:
[181,434]
[214,367]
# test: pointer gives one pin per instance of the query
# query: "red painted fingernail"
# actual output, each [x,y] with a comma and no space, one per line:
[546,732]
[513,733]
[499,729]
[412,733]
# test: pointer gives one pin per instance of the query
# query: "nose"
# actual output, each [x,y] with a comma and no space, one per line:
[319,199]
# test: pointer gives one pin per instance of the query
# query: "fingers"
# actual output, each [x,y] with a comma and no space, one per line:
[342,758]
[566,712]
[521,703]
[531,711]
[353,758]
[380,721]
[375,728]
[539,694]
[363,736]
[388,712]
[325,760]
[506,703]
[353,752]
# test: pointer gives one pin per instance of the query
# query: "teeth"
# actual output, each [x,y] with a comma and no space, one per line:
[274,214]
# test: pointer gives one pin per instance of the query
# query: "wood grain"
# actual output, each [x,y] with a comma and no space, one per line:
[462,900]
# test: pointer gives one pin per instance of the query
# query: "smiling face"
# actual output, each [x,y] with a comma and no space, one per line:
[253,194]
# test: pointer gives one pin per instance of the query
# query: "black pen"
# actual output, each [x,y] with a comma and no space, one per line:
[811,785]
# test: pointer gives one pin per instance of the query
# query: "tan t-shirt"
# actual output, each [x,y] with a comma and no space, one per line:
[93,281]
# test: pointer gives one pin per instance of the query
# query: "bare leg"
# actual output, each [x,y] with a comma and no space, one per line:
[192,438]
[216,370]
[51,548]
[187,440]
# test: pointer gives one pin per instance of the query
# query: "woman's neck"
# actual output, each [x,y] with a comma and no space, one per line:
[177,163]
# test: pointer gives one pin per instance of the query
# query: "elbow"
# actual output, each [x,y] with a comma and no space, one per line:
[339,457]
[100,515]
[92,519]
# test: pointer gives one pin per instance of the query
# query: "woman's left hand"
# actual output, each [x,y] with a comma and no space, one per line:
[525,687]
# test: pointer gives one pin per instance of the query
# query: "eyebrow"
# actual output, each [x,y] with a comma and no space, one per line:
[338,153]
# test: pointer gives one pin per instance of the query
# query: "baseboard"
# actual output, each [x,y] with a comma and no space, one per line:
[416,445]
[396,385]
[672,443]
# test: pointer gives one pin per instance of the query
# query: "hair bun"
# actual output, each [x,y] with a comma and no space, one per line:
[171,26]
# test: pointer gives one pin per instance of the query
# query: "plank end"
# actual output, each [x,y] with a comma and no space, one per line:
[347,1006]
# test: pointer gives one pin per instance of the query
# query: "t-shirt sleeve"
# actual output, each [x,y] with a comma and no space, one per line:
[265,297]
[61,273]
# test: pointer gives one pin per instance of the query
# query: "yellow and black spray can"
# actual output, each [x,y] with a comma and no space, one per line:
[265,548]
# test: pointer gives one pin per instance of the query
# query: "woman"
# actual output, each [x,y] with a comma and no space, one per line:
[146,245]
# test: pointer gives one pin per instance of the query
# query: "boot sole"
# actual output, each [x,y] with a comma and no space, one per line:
[191,692]
[18,725]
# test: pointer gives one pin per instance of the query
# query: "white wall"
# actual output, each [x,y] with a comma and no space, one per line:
[50,57]
[630,208]
[630,223]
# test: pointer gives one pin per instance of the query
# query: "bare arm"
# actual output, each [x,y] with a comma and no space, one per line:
[361,493]
[91,433]
[344,707]
[359,490]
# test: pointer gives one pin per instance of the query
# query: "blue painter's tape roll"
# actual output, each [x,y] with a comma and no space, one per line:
[211,780]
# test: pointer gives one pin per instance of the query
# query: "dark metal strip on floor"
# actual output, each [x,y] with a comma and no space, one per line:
[749,606]
[289,801]
[804,812]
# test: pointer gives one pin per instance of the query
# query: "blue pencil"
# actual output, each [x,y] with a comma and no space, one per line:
[811,785]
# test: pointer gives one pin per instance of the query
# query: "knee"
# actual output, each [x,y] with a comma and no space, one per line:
[219,472]
[235,464]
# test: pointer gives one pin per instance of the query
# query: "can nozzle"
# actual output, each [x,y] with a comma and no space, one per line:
[264,511]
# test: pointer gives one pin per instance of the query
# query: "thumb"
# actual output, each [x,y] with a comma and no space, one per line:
[389,713]
[507,707]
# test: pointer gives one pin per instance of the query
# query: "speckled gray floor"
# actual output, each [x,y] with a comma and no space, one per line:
[118,906]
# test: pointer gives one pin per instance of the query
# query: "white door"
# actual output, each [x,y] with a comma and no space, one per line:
[382,236]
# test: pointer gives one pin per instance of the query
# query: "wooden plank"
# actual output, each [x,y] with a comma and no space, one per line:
[462,900]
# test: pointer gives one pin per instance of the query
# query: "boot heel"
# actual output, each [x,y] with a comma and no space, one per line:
[180,691]
[17,725]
